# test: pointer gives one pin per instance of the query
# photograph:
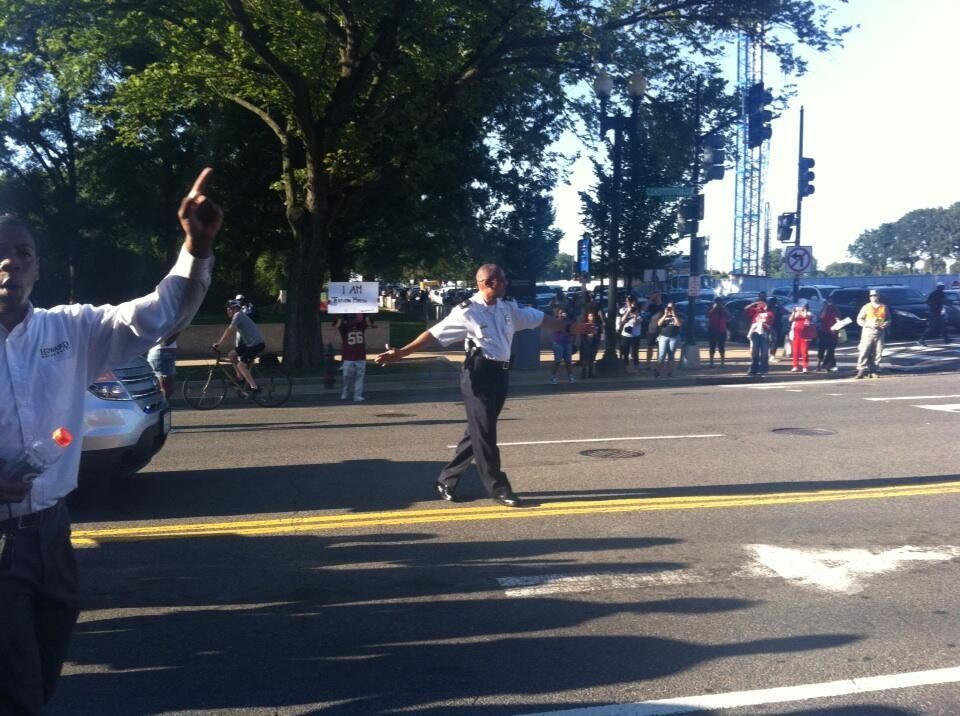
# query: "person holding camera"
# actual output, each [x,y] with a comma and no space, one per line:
[761,319]
[802,330]
[717,318]
[627,327]
[669,326]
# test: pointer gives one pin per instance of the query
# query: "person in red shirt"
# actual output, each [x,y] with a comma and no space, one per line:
[801,328]
[353,354]
[717,328]
[827,338]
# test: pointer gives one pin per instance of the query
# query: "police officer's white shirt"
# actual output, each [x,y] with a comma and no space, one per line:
[491,327]
[51,356]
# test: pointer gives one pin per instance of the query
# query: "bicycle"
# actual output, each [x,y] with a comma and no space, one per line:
[205,389]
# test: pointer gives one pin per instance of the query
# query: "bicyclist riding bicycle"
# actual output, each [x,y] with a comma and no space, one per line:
[248,345]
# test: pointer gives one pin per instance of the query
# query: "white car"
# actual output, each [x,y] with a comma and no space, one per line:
[816,295]
[126,420]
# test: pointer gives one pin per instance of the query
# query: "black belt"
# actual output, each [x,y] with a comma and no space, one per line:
[29,521]
[481,362]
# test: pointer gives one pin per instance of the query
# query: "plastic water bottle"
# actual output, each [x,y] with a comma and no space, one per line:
[37,458]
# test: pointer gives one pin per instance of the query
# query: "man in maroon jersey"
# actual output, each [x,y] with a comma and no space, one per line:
[353,353]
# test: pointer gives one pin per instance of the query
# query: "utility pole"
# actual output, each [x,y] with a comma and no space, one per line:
[804,188]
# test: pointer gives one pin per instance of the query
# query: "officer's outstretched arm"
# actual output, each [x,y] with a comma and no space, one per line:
[395,354]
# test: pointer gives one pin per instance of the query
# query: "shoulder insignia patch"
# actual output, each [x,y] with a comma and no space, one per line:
[465,303]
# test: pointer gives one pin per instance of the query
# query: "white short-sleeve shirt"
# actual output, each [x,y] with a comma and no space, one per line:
[489,326]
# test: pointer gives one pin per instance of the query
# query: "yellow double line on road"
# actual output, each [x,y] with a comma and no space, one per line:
[318,523]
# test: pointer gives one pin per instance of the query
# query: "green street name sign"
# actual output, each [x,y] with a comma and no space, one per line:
[668,192]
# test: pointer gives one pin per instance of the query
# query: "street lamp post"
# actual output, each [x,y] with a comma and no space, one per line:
[603,86]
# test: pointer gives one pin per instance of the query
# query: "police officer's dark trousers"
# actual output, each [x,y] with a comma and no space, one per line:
[38,607]
[484,390]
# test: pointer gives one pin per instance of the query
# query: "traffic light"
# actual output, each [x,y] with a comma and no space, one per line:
[692,208]
[805,177]
[712,157]
[785,224]
[690,213]
[758,116]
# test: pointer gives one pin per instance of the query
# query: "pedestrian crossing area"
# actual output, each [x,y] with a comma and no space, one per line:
[908,356]
[938,402]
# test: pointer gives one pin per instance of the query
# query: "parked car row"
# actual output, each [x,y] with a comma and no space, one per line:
[908,309]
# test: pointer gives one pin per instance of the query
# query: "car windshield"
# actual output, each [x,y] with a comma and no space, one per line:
[900,295]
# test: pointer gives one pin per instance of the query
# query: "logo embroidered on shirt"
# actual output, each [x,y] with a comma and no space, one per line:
[61,347]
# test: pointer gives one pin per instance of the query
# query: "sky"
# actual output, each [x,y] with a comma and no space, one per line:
[881,120]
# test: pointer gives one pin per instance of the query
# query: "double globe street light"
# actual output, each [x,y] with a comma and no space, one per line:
[603,86]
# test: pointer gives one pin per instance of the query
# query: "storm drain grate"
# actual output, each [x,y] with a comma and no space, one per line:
[396,415]
[803,431]
[611,454]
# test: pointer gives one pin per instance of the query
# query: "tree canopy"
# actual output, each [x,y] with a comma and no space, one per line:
[929,237]
[389,133]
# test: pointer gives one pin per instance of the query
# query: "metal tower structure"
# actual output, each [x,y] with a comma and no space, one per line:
[765,257]
[751,170]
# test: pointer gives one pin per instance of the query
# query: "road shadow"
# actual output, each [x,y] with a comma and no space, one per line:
[351,486]
[314,425]
[369,624]
[859,710]
[753,488]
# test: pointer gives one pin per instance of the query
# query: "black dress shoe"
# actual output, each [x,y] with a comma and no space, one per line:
[445,492]
[507,499]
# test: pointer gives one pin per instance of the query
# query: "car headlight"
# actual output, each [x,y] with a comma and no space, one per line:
[107,387]
[907,314]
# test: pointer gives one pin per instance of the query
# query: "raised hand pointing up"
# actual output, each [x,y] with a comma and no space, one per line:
[200,218]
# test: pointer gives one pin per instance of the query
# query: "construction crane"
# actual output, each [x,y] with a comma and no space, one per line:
[752,157]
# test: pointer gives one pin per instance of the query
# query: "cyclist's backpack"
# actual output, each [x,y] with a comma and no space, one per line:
[251,311]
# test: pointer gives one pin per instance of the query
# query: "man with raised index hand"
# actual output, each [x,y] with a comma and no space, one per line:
[48,357]
[486,322]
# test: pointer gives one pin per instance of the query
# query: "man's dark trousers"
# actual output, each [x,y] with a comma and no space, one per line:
[484,390]
[936,325]
[38,609]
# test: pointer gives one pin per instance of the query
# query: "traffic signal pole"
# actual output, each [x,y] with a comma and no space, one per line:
[799,223]
[690,358]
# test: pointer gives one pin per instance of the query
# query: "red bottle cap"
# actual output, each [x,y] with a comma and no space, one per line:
[62,437]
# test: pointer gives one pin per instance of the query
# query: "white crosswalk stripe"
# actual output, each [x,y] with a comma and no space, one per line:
[949,408]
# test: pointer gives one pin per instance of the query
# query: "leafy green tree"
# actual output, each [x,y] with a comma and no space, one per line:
[368,102]
[846,268]
[776,263]
[561,267]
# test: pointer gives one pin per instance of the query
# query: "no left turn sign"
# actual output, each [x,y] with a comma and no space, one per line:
[799,259]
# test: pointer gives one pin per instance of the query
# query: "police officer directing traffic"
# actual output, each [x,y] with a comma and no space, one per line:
[486,322]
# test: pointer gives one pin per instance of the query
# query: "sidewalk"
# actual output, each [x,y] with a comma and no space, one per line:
[434,375]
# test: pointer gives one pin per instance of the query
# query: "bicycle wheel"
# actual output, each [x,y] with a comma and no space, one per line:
[204,390]
[274,386]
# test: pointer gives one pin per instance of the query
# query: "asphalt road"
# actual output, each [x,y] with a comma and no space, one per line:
[707,544]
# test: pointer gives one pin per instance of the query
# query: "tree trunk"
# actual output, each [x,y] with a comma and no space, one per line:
[303,342]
